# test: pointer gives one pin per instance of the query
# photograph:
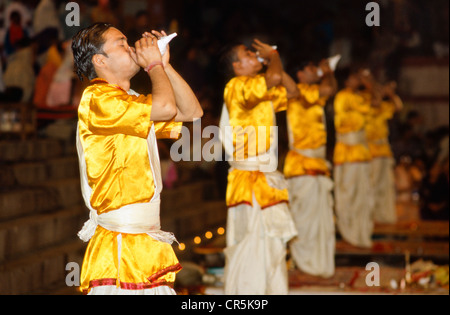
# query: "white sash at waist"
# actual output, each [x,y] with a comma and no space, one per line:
[319,153]
[265,163]
[131,219]
[352,138]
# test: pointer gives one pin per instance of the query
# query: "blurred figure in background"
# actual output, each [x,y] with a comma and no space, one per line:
[15,33]
[103,13]
[19,76]
[385,104]
[259,223]
[353,190]
[308,172]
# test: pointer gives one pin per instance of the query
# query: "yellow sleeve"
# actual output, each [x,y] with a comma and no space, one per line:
[388,110]
[246,91]
[278,95]
[168,129]
[341,103]
[311,94]
[113,111]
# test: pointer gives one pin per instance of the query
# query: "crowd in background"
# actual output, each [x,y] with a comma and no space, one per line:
[36,62]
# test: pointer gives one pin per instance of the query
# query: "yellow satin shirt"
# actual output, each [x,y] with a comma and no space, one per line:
[307,131]
[377,130]
[251,105]
[113,129]
[351,116]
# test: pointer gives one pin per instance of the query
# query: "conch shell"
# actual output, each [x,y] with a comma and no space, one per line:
[333,64]
[262,59]
[164,41]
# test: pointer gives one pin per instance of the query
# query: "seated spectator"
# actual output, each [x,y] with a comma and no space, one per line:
[434,192]
[46,75]
[15,33]
[19,75]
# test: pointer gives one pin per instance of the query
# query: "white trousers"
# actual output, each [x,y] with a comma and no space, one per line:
[311,205]
[383,183]
[354,203]
[113,290]
[256,250]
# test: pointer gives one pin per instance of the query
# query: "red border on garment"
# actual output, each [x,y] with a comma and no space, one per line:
[262,208]
[136,286]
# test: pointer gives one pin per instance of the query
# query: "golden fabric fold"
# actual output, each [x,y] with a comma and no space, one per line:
[299,165]
[145,262]
[351,116]
[307,132]
[114,127]
[242,185]
[251,109]
[377,130]
[113,130]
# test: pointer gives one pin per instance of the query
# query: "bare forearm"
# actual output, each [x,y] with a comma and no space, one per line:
[187,103]
[163,98]
[290,85]
[274,73]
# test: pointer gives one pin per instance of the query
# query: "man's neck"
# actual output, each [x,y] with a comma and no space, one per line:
[112,79]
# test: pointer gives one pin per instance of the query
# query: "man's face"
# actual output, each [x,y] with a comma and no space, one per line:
[248,63]
[309,74]
[119,59]
[354,81]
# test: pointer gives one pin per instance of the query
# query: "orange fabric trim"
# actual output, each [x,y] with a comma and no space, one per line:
[262,208]
[165,271]
[124,285]
[136,286]
[311,173]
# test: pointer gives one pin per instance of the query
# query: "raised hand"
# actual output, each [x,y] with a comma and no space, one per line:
[146,51]
[264,50]
[158,35]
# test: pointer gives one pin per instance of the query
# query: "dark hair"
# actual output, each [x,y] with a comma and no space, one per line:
[85,44]
[228,56]
[15,17]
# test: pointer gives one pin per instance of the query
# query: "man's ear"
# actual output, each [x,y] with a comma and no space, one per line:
[98,61]
[237,66]
[299,75]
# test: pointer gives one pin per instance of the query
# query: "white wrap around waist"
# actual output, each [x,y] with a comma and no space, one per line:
[319,153]
[131,219]
[352,138]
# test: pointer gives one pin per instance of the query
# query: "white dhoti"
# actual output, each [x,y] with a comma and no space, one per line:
[256,250]
[311,204]
[383,183]
[354,203]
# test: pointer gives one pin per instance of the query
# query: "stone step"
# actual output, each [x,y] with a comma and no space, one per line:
[19,236]
[35,173]
[51,195]
[172,200]
[396,248]
[40,269]
[419,229]
[191,220]
[22,202]
[58,289]
[32,150]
